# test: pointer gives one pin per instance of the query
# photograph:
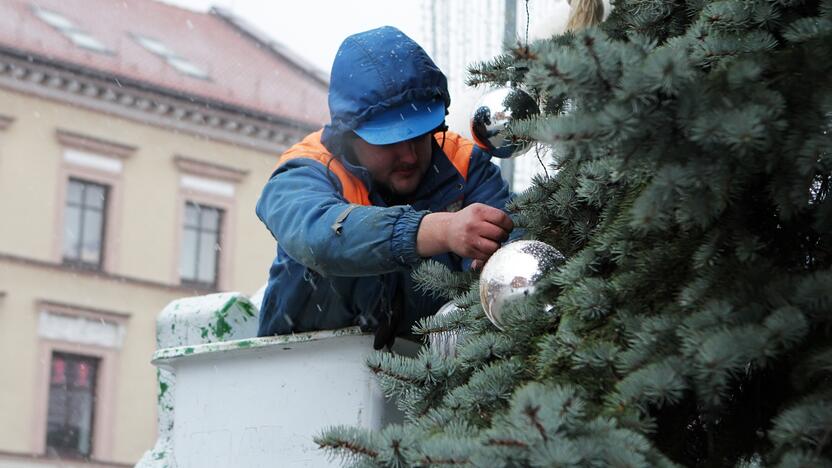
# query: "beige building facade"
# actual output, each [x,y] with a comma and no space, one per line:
[118,194]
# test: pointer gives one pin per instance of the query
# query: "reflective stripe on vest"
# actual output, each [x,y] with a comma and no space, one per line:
[457,149]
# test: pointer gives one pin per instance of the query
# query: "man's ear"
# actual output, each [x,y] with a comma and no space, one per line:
[442,128]
[347,143]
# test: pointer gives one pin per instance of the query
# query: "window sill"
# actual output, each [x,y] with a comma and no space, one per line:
[208,287]
[79,265]
[35,460]
[105,275]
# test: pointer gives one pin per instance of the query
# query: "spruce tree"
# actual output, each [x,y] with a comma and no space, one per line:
[692,320]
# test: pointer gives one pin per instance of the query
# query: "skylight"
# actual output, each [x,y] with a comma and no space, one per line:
[73,33]
[187,67]
[173,59]
[82,39]
[154,46]
[53,19]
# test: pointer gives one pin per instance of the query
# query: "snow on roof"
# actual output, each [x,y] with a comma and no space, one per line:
[213,55]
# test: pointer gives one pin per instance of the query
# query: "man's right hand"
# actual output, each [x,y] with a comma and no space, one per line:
[476,232]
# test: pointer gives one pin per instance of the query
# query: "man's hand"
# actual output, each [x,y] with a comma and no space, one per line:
[474,232]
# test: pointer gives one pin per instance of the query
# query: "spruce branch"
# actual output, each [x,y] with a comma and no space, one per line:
[435,278]
[455,321]
[805,425]
[691,197]
[347,441]
[589,42]
[498,442]
[483,349]
[807,29]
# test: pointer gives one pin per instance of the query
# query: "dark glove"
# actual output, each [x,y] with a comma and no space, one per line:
[389,325]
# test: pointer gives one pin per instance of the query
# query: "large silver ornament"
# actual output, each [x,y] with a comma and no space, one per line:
[445,342]
[512,273]
[494,113]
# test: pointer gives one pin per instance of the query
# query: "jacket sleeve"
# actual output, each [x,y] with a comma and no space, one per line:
[485,183]
[317,227]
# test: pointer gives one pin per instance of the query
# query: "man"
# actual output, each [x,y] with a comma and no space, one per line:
[356,206]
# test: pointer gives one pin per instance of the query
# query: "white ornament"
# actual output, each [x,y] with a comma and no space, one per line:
[512,273]
[492,116]
[445,342]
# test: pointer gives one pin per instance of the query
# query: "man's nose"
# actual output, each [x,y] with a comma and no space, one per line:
[406,151]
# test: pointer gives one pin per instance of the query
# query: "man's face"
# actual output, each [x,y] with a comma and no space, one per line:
[397,167]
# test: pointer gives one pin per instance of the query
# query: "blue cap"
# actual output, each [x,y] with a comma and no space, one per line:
[402,122]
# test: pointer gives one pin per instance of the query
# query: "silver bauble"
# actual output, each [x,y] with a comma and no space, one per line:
[512,273]
[492,116]
[445,342]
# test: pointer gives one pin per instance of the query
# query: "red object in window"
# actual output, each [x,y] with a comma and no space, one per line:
[58,371]
[82,377]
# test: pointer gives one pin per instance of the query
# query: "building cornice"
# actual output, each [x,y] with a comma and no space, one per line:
[143,102]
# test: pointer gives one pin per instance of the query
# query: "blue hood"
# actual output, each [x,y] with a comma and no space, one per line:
[374,71]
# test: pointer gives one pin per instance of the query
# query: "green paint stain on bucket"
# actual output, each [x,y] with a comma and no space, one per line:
[248,308]
[221,327]
[245,344]
[228,305]
[189,350]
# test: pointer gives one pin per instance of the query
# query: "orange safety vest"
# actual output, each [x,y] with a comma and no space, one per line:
[457,148]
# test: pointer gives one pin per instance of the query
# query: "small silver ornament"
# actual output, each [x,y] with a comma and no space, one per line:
[492,116]
[512,273]
[445,342]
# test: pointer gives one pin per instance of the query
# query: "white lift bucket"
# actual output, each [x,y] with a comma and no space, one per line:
[256,402]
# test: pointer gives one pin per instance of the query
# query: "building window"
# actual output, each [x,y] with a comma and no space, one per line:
[207,216]
[72,385]
[84,221]
[200,245]
[88,201]
[77,363]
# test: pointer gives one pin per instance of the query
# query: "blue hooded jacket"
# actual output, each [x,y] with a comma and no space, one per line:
[325,278]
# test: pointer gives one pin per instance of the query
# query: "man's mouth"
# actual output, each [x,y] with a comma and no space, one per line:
[405,171]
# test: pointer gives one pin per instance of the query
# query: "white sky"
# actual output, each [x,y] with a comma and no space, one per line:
[315,28]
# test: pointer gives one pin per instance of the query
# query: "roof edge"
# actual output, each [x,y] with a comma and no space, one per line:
[42,78]
[251,31]
[143,85]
